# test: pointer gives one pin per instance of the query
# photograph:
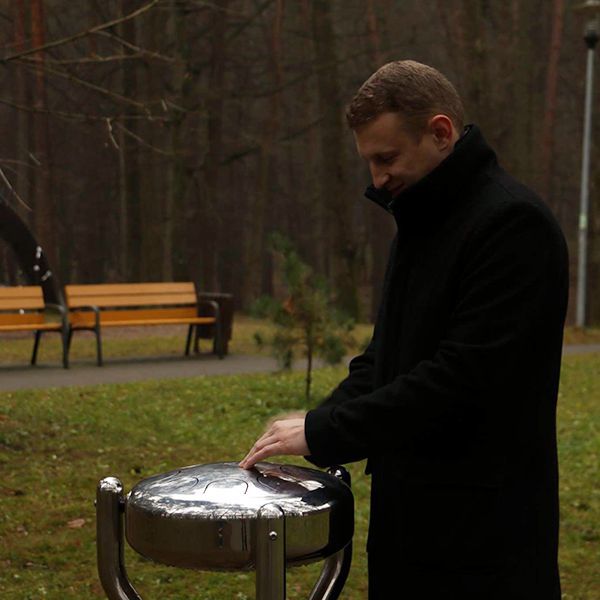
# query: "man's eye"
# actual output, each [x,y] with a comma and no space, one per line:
[386,159]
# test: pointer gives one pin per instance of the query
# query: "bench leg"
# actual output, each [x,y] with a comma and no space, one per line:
[218,342]
[36,343]
[66,341]
[197,341]
[188,342]
[98,346]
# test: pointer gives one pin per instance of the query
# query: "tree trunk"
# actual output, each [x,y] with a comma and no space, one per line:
[130,201]
[211,215]
[151,166]
[550,98]
[334,187]
[374,36]
[179,245]
[43,201]
[265,201]
[381,226]
[22,168]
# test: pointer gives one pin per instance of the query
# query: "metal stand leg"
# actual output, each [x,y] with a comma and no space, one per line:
[270,553]
[336,568]
[333,576]
[109,541]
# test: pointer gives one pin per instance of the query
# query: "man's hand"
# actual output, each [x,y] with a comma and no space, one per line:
[284,436]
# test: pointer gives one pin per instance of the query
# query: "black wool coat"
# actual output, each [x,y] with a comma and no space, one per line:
[453,402]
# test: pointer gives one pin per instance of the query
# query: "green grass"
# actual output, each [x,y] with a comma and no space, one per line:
[579,455]
[56,444]
[137,342]
[125,342]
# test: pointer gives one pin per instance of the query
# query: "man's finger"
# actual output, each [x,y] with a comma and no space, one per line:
[271,450]
[258,445]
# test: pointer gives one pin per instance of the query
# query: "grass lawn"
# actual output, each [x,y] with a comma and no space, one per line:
[121,342]
[130,342]
[56,444]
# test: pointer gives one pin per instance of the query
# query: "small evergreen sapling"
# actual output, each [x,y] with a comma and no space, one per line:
[306,321]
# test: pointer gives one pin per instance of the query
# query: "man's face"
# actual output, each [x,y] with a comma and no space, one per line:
[397,158]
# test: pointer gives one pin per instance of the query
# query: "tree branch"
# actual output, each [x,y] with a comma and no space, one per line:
[130,46]
[90,59]
[72,116]
[96,88]
[81,34]
[142,141]
[10,187]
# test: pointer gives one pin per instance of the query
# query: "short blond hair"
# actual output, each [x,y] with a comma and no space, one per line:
[412,89]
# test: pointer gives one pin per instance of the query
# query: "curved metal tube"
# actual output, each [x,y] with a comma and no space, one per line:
[335,569]
[109,541]
[333,576]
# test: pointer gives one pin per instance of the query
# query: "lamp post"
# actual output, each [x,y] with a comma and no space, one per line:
[590,8]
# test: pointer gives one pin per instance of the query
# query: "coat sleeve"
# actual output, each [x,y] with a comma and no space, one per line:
[360,380]
[361,372]
[508,291]
[359,383]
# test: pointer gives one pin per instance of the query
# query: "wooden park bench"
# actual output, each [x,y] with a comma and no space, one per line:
[93,307]
[22,308]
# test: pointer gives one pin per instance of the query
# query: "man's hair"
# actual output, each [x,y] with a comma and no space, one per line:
[412,89]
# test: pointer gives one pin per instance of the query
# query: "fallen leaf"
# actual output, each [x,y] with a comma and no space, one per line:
[76,524]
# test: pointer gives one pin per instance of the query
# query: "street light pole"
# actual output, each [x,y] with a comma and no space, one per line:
[591,37]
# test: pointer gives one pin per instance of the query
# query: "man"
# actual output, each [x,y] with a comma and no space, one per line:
[453,401]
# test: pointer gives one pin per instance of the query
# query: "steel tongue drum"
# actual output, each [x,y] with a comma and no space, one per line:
[219,517]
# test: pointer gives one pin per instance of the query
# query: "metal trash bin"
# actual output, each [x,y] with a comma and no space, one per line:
[219,517]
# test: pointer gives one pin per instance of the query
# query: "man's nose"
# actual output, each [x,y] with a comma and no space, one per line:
[379,176]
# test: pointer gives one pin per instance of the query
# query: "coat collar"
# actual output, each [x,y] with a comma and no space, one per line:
[437,190]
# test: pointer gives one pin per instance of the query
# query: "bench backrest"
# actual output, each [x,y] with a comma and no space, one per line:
[178,300]
[21,304]
[111,295]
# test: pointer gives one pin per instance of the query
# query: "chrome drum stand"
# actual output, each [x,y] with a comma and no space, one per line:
[219,517]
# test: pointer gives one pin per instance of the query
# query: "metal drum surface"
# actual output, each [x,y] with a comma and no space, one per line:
[204,516]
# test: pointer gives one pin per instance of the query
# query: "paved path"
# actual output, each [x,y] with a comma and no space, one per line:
[581,348]
[128,370]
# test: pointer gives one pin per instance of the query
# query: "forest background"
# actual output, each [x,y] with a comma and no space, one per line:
[157,140]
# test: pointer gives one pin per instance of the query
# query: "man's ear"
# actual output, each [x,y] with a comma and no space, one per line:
[443,131]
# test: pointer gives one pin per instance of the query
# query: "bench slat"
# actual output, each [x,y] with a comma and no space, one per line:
[196,321]
[21,319]
[130,289]
[21,304]
[22,297]
[139,300]
[133,315]
[116,288]
[32,327]
[21,291]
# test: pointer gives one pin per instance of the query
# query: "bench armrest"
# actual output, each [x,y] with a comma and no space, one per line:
[211,304]
[59,308]
[89,308]
[225,302]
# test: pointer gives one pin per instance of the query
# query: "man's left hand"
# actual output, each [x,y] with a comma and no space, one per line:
[281,437]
